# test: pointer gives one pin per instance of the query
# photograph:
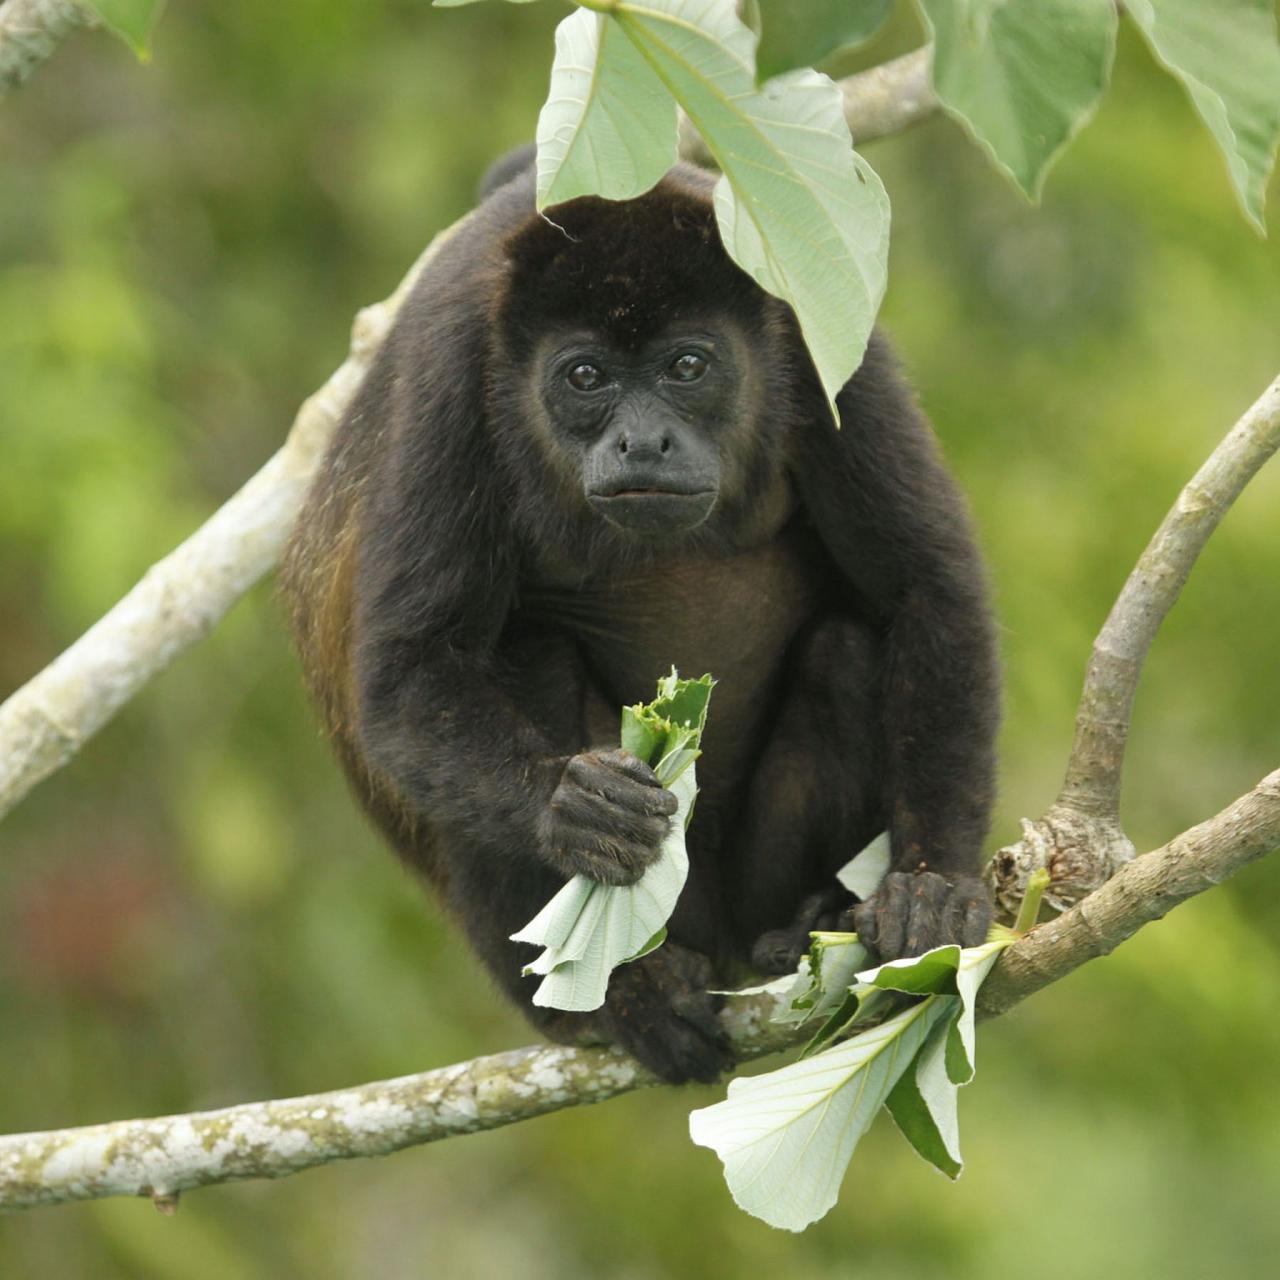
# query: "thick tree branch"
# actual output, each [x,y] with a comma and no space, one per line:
[30,30]
[1080,839]
[877,102]
[165,1156]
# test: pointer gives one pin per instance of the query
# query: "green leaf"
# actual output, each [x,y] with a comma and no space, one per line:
[798,209]
[862,874]
[786,1138]
[588,928]
[924,1102]
[1227,56]
[800,33]
[608,126]
[132,20]
[1023,76]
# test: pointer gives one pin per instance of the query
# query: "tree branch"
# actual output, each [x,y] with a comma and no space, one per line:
[877,102]
[1092,783]
[1080,839]
[30,30]
[49,719]
[165,1156]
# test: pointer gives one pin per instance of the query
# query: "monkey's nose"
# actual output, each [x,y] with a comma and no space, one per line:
[643,446]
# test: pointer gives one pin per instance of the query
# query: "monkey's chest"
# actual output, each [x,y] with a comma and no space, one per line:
[734,616]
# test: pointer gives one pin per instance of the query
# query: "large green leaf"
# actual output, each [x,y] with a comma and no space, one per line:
[924,1101]
[786,1138]
[800,33]
[797,209]
[1227,56]
[608,126]
[1022,75]
[132,20]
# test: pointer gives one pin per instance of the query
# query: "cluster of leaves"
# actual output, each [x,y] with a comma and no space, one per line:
[588,928]
[798,209]
[899,1036]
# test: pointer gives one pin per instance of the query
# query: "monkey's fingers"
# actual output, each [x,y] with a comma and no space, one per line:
[599,776]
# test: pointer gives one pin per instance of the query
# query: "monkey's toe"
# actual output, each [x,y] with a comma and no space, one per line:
[913,912]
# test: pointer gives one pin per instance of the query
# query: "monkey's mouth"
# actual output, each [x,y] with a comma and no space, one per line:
[654,511]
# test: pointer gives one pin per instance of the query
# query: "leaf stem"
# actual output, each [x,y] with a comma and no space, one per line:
[1029,911]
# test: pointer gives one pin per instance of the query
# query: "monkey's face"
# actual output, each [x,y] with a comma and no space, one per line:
[645,429]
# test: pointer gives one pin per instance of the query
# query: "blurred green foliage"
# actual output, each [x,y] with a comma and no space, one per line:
[192,914]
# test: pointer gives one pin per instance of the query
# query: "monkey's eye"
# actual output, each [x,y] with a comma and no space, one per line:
[688,367]
[586,377]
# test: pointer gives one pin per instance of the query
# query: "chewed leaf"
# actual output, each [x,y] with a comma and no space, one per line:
[862,874]
[588,929]
[786,1138]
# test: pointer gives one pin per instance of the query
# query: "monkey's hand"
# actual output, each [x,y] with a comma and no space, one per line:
[606,819]
[913,911]
[659,1010]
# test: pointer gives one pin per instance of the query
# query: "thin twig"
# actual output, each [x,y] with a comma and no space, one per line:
[164,1156]
[30,30]
[1092,783]
[1080,840]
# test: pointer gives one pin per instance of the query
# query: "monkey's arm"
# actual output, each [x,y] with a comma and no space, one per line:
[436,715]
[894,523]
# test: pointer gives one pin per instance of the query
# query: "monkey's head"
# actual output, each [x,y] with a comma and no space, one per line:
[639,362]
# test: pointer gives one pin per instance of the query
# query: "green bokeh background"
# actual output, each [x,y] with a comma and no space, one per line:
[193,914]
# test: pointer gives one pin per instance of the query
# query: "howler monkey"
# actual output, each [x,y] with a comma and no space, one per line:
[590,448]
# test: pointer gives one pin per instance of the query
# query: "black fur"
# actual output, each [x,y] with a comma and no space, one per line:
[491,563]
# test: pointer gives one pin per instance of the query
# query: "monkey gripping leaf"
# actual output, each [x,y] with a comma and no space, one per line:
[588,928]
[798,210]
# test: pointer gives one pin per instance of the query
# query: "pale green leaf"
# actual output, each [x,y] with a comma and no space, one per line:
[1022,75]
[923,1103]
[1227,56]
[798,210]
[862,874]
[800,33]
[786,1138]
[608,126]
[927,974]
[132,20]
